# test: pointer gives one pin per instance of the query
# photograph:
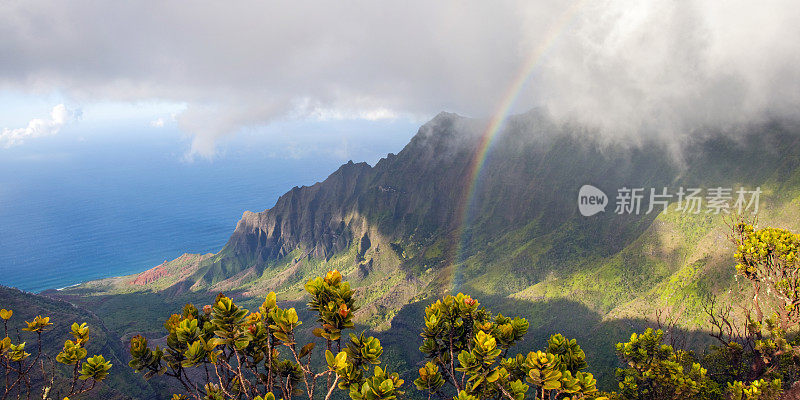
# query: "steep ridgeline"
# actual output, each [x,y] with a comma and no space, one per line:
[419,223]
[412,192]
[401,225]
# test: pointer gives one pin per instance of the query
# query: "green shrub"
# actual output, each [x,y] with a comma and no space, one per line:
[254,355]
[33,374]
[457,328]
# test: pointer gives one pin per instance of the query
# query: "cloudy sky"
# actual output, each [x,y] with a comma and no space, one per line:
[216,70]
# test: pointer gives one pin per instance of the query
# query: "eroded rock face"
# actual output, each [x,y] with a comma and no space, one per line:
[316,218]
[402,193]
[431,188]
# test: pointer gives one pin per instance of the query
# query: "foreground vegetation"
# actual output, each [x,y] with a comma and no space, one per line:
[224,351]
[27,374]
[257,355]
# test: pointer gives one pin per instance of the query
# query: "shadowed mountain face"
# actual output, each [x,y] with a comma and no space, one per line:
[423,205]
[403,193]
[422,196]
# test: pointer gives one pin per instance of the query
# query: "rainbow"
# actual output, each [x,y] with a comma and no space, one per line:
[493,127]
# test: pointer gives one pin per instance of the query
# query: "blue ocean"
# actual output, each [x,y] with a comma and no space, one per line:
[87,206]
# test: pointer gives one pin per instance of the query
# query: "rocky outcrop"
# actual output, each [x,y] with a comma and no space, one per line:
[314,217]
[402,194]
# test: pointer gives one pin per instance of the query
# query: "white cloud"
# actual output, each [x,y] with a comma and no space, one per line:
[157,123]
[624,66]
[376,114]
[38,127]
[669,67]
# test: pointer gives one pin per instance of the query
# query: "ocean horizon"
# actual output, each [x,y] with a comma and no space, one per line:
[72,212]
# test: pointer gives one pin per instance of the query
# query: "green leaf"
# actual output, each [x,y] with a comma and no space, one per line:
[330,359]
[307,349]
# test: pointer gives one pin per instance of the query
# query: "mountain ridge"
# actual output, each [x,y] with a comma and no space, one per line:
[408,203]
